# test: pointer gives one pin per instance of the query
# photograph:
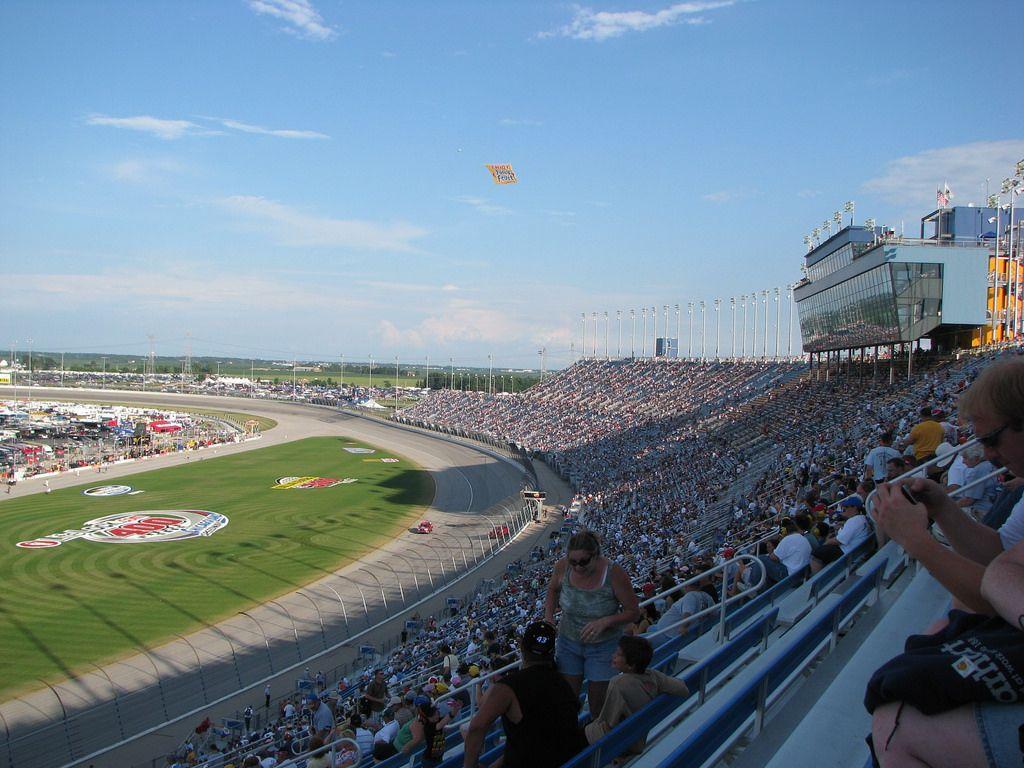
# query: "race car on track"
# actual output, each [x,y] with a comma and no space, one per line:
[498,531]
[424,526]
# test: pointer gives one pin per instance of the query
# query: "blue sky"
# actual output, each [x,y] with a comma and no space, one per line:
[306,177]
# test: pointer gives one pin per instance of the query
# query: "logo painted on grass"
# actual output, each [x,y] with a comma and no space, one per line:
[108,490]
[309,482]
[360,450]
[383,461]
[137,528]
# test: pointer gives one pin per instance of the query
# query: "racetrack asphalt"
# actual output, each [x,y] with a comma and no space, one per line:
[324,623]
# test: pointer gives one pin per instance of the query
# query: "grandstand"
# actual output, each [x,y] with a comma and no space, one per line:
[690,471]
[700,459]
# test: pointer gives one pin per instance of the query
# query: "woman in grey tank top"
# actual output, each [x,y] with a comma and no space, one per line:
[597,602]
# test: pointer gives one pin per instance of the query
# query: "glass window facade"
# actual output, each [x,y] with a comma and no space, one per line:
[836,260]
[892,302]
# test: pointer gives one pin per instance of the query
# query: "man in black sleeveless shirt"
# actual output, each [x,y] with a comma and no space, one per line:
[537,707]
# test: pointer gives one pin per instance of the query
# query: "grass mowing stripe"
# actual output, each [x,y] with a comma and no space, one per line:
[86,602]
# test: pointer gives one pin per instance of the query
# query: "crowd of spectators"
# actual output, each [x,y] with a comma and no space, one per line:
[676,466]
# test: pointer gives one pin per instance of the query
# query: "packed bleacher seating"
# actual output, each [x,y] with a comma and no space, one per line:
[678,466]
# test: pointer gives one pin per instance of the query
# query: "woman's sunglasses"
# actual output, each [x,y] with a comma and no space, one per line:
[581,563]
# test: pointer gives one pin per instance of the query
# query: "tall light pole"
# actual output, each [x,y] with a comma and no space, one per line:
[654,335]
[632,334]
[678,329]
[293,375]
[664,333]
[689,346]
[789,349]
[732,309]
[451,372]
[643,336]
[104,373]
[753,343]
[341,384]
[426,378]
[764,340]
[490,375]
[583,339]
[396,383]
[29,341]
[849,208]
[595,335]
[606,335]
[654,324]
[778,317]
[703,332]
[994,202]
[618,321]
[371,376]
[718,328]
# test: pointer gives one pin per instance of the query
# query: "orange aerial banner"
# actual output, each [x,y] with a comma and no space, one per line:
[503,174]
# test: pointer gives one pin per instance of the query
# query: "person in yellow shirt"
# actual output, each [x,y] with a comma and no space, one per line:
[925,436]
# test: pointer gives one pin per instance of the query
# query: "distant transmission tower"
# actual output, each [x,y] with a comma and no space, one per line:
[150,370]
[186,366]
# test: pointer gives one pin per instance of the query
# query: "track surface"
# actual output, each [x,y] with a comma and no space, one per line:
[263,641]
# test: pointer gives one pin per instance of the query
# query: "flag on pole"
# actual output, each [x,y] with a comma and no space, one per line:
[943,196]
[503,174]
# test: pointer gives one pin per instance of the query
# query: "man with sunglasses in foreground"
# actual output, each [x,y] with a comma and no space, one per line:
[994,405]
[973,717]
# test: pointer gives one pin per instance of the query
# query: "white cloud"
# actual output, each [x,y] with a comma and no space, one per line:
[520,121]
[588,24]
[162,129]
[142,170]
[912,180]
[724,196]
[302,18]
[295,228]
[484,207]
[395,287]
[186,287]
[284,133]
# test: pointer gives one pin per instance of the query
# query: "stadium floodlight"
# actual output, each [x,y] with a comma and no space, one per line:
[643,336]
[618,345]
[789,352]
[718,327]
[807,242]
[732,309]
[689,312]
[1007,186]
[743,325]
[1020,168]
[816,234]
[703,331]
[778,318]
[632,334]
[837,217]
[678,325]
[993,201]
[654,325]
[826,225]
[850,208]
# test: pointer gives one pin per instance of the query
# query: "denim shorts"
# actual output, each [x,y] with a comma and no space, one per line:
[1001,728]
[590,660]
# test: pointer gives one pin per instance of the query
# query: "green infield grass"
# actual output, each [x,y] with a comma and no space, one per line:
[66,607]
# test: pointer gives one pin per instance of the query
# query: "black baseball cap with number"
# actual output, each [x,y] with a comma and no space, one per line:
[539,639]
